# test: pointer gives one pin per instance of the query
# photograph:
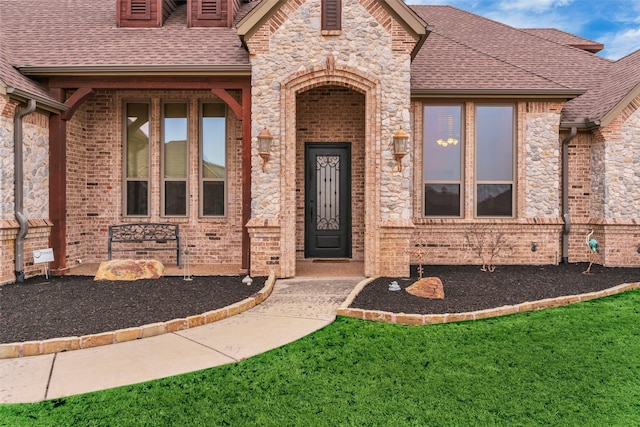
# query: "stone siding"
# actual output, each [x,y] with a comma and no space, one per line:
[622,175]
[36,190]
[364,46]
[543,163]
[290,55]
[35,165]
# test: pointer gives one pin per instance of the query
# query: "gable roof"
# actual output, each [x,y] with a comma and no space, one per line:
[81,36]
[247,26]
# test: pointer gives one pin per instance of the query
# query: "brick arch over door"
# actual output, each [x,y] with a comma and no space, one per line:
[331,115]
[301,82]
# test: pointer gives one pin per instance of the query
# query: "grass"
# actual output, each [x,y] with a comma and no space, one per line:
[574,365]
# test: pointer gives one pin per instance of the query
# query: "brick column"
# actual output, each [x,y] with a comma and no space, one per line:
[265,235]
[395,256]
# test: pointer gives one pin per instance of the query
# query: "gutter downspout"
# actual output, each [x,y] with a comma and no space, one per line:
[19,186]
[565,194]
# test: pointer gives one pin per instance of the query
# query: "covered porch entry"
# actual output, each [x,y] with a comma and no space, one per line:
[330,180]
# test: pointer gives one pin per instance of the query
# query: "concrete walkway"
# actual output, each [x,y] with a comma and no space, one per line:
[297,307]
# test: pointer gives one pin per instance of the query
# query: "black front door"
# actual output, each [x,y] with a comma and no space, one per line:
[327,200]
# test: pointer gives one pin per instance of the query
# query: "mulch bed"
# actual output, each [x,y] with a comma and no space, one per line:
[466,288]
[40,309]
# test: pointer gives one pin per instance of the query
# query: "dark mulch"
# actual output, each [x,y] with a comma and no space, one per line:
[76,305]
[466,288]
[39,309]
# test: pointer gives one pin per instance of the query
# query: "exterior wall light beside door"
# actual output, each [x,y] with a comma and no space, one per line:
[400,143]
[264,147]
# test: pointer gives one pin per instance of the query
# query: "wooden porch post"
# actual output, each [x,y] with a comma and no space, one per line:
[58,188]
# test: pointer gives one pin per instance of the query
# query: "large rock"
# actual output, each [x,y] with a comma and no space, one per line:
[129,269]
[428,287]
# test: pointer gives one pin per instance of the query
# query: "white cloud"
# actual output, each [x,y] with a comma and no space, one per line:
[621,43]
[615,23]
[536,6]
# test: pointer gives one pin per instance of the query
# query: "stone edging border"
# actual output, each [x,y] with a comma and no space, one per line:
[431,319]
[56,345]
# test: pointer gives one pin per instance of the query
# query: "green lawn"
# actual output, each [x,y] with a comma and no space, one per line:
[575,365]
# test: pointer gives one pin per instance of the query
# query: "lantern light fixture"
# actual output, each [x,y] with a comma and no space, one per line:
[400,143]
[264,147]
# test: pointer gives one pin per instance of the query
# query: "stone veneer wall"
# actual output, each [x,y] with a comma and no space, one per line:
[622,174]
[364,46]
[36,189]
[95,184]
[615,178]
[543,164]
[538,196]
[289,55]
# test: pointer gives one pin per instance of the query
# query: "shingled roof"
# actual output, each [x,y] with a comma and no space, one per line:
[465,54]
[562,37]
[83,33]
[17,85]
[619,86]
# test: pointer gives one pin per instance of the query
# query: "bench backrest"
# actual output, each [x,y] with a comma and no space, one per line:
[143,232]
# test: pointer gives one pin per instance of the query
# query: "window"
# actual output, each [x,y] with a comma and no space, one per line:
[136,197]
[331,15]
[494,160]
[442,160]
[174,159]
[213,159]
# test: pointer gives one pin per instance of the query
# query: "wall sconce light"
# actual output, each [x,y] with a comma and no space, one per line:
[638,250]
[534,246]
[264,147]
[400,143]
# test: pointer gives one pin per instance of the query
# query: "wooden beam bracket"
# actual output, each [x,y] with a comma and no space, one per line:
[230,101]
[76,100]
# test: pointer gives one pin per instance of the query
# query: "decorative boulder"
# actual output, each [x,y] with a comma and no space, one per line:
[428,287]
[129,269]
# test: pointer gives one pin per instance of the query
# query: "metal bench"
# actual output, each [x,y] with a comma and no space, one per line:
[142,233]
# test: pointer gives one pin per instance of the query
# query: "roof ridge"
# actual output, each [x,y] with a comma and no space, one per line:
[473,48]
[564,45]
[559,30]
[502,24]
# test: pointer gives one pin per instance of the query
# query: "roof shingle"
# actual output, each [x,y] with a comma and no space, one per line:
[86,35]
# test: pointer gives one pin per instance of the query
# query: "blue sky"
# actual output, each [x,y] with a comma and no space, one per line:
[615,23]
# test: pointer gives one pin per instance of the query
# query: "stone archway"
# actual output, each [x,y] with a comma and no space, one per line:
[301,82]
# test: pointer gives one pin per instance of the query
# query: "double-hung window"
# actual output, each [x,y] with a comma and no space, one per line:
[442,161]
[495,160]
[213,159]
[136,159]
[175,156]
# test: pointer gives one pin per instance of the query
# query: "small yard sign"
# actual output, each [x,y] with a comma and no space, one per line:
[43,255]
